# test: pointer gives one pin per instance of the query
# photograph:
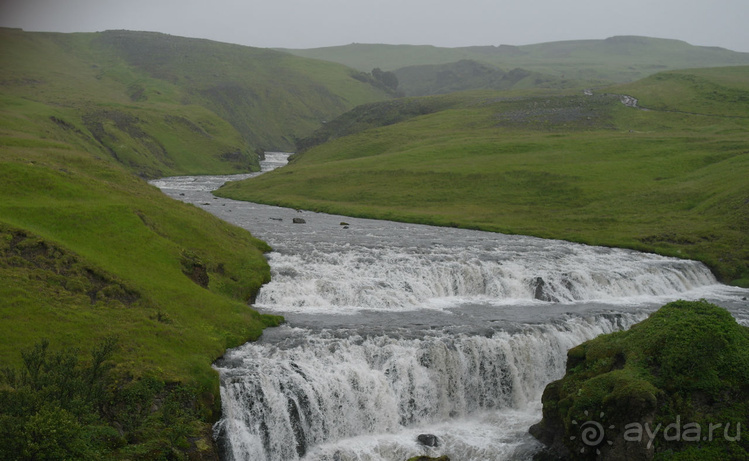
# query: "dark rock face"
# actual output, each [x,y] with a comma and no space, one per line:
[428,440]
[199,275]
[653,391]
[541,292]
[299,221]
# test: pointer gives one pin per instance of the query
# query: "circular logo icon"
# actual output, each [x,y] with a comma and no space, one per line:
[592,434]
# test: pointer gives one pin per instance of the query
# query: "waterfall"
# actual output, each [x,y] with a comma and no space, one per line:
[314,388]
[345,278]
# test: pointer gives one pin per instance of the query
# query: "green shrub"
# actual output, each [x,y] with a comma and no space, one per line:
[57,406]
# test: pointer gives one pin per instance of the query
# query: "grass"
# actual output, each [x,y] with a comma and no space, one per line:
[62,208]
[89,252]
[585,169]
[165,105]
[649,374]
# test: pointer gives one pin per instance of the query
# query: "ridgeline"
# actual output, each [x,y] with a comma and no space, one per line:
[424,69]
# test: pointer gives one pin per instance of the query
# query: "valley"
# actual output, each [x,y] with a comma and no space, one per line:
[117,301]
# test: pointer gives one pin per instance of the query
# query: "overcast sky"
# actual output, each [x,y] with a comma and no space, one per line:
[449,23]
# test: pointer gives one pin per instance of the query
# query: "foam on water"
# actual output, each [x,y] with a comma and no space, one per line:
[323,394]
[343,279]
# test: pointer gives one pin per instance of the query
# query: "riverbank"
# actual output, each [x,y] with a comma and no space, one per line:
[89,256]
[579,168]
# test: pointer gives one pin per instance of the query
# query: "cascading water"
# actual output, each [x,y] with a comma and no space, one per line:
[521,270]
[395,330]
[315,388]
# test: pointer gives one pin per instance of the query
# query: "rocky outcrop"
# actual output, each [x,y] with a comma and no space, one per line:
[428,440]
[675,386]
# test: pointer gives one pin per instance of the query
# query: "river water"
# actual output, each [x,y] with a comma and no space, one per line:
[395,330]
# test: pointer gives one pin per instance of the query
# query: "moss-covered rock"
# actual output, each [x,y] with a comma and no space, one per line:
[675,386]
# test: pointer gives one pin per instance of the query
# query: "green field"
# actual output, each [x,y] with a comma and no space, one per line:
[582,168]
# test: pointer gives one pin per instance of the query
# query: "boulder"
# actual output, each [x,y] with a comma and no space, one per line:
[678,382]
[541,291]
[428,440]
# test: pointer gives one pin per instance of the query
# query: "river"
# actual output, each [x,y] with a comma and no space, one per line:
[396,330]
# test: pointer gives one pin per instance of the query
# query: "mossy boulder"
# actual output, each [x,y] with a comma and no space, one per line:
[675,386]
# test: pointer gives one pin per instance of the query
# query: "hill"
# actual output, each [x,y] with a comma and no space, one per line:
[578,167]
[165,105]
[590,62]
[115,299]
[465,75]
[94,259]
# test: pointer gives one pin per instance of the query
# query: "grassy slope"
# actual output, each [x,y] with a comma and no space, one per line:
[77,108]
[572,167]
[56,75]
[616,59]
[88,250]
[74,214]
[471,75]
[164,105]
[269,97]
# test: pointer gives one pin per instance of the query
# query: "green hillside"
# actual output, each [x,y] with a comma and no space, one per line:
[115,299]
[583,168]
[90,255]
[595,62]
[465,75]
[164,105]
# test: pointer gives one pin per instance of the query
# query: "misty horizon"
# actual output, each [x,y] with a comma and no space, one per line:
[296,24]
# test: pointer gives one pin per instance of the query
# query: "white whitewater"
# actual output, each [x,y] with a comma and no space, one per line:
[396,330]
[291,398]
[330,277]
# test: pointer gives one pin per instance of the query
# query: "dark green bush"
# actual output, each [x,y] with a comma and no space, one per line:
[57,406]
